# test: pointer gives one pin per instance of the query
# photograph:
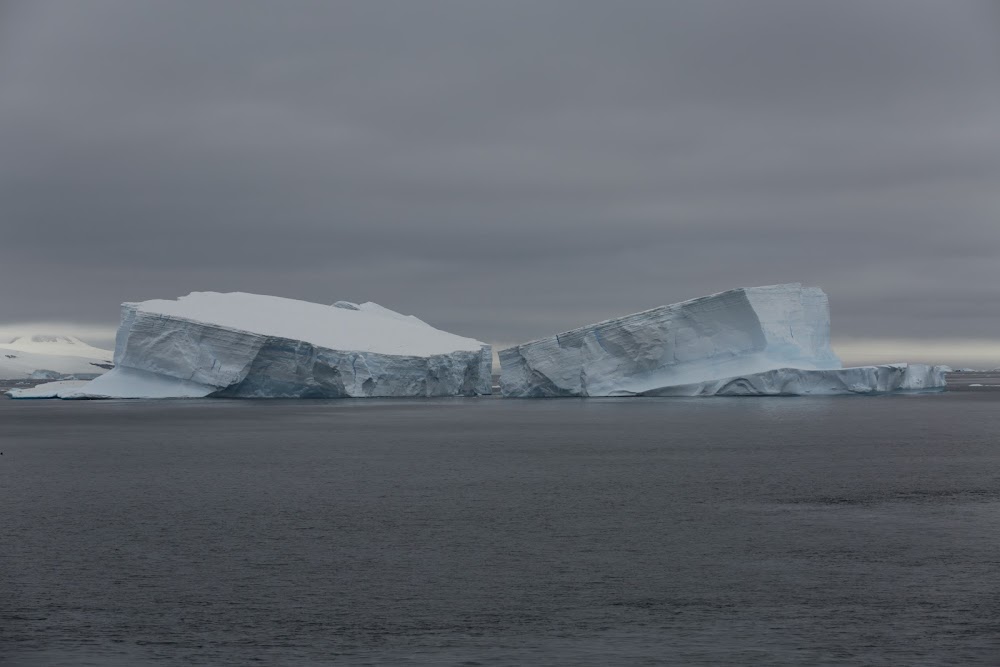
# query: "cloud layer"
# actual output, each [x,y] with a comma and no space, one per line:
[504,170]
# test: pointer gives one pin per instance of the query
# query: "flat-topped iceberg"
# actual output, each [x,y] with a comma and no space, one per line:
[772,340]
[254,346]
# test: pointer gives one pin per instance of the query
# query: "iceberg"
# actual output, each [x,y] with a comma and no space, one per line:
[241,345]
[752,341]
[51,357]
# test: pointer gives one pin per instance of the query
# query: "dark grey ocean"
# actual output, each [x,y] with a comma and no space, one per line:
[794,531]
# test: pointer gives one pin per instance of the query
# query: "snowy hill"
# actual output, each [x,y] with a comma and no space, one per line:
[51,357]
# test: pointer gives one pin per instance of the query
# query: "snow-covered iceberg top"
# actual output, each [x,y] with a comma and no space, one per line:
[773,340]
[49,356]
[366,327]
[250,345]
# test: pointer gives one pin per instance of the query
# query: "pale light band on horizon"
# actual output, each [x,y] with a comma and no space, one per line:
[860,351]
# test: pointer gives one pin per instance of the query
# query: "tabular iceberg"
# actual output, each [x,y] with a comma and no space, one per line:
[254,346]
[752,341]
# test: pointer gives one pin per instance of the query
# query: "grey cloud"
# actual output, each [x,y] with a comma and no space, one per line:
[508,169]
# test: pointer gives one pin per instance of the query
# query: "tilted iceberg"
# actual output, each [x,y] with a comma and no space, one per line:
[752,341]
[253,346]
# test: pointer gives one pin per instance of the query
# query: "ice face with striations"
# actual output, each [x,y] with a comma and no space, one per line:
[249,345]
[772,340]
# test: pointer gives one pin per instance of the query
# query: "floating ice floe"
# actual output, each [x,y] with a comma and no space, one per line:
[48,389]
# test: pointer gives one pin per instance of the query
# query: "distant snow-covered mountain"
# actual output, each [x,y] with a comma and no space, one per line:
[51,357]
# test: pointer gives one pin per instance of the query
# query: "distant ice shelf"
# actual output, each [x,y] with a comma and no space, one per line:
[51,357]
[754,341]
[243,345]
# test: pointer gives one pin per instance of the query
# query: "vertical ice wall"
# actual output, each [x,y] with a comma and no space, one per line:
[245,345]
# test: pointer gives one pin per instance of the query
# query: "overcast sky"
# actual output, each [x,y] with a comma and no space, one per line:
[505,169]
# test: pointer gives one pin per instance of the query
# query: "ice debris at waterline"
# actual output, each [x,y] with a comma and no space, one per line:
[51,357]
[251,346]
[753,341]
[48,389]
[880,379]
